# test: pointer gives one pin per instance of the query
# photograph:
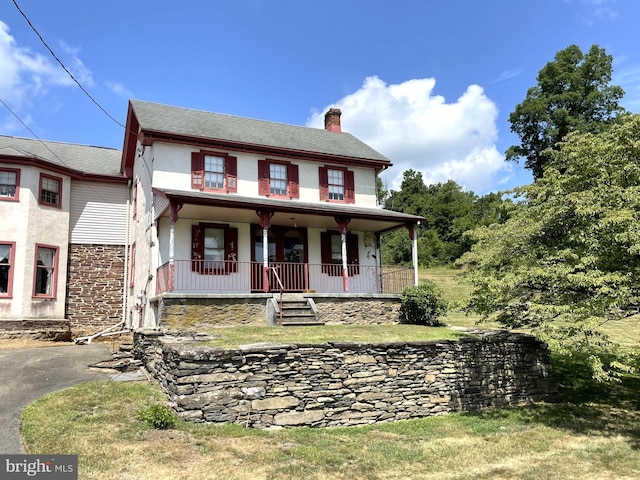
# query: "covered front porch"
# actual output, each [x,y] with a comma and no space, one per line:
[252,245]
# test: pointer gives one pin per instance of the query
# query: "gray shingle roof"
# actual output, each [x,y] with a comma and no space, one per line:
[196,123]
[83,158]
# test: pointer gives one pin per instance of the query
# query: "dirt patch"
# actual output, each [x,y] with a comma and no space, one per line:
[18,343]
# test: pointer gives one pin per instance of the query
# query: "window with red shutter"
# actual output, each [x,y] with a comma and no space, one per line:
[331,253]
[214,249]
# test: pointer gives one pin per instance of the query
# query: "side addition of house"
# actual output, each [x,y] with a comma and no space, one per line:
[232,215]
[62,236]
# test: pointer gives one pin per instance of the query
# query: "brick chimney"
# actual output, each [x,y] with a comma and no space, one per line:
[332,120]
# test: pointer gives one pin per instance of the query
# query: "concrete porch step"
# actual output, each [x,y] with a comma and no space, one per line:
[297,311]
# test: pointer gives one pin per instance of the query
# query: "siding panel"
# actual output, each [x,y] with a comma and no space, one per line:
[98,213]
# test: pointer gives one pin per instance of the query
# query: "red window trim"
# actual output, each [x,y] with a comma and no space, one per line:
[16,197]
[264,179]
[230,172]
[54,287]
[132,266]
[12,265]
[58,204]
[349,184]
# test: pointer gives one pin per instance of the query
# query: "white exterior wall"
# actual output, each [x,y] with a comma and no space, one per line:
[98,213]
[172,169]
[27,223]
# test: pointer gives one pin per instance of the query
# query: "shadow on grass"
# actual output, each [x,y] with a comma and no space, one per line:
[587,407]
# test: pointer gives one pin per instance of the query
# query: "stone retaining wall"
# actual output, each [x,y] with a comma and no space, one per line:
[336,384]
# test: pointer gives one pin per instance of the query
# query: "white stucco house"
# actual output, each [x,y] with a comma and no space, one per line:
[62,235]
[235,217]
[201,218]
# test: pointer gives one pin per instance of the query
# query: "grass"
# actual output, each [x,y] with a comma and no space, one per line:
[594,434]
[233,337]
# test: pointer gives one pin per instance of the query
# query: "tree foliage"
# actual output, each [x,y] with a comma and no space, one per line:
[448,211]
[567,260]
[572,94]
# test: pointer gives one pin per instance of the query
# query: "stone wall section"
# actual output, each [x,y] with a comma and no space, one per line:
[358,311]
[202,312]
[95,283]
[341,384]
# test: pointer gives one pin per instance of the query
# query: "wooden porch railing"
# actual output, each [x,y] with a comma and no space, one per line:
[201,276]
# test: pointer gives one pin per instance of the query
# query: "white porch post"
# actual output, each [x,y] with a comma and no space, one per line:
[414,250]
[342,228]
[265,223]
[173,218]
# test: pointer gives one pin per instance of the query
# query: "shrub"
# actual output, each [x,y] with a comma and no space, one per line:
[422,304]
[159,416]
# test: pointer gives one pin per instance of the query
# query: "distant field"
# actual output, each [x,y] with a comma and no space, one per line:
[625,332]
[454,291]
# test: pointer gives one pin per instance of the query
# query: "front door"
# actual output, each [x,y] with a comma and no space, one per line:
[287,253]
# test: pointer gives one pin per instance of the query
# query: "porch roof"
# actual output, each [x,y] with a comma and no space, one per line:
[235,208]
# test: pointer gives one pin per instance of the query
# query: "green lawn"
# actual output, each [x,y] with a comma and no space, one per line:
[233,336]
[594,434]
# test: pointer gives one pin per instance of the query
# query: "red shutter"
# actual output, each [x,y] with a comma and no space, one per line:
[324,183]
[197,170]
[263,177]
[231,168]
[294,181]
[352,254]
[231,250]
[349,187]
[197,248]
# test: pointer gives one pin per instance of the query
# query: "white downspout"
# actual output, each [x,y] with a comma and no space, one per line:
[125,283]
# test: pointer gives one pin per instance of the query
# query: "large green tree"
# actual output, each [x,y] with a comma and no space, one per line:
[449,212]
[567,260]
[573,93]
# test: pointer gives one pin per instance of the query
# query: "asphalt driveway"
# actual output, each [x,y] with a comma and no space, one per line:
[28,374]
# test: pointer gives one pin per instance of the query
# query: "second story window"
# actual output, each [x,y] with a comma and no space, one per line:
[278,178]
[50,190]
[217,172]
[213,172]
[337,184]
[9,184]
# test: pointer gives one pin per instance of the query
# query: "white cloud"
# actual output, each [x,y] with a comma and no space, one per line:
[418,130]
[119,89]
[27,76]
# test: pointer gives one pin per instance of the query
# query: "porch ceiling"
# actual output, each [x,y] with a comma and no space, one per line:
[233,208]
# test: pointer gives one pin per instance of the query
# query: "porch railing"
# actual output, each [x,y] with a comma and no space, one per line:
[201,276]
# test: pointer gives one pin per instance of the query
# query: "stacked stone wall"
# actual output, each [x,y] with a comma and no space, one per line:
[202,312]
[95,284]
[339,384]
[358,310]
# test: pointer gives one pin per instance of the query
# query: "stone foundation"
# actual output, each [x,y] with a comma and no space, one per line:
[357,309]
[341,384]
[186,312]
[54,330]
[95,283]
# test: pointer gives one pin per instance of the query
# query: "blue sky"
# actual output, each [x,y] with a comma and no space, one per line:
[428,84]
